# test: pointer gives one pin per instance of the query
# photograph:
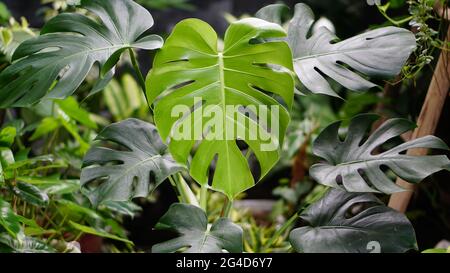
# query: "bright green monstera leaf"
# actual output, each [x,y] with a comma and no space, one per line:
[132,170]
[195,86]
[352,164]
[194,235]
[342,222]
[54,64]
[379,53]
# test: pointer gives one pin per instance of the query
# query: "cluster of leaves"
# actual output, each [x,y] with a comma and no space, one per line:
[44,191]
[44,208]
[52,8]
[423,17]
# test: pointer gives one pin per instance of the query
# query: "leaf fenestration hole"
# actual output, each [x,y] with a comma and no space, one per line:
[212,169]
[339,180]
[95,183]
[358,208]
[364,176]
[134,185]
[177,61]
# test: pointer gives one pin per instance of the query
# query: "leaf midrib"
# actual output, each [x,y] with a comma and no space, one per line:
[223,105]
[378,158]
[329,53]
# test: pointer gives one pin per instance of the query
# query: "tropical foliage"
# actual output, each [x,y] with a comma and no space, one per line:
[85,137]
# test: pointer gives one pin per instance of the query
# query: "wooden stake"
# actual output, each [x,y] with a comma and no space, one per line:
[427,121]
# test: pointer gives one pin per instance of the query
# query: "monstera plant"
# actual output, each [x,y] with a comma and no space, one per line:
[223,106]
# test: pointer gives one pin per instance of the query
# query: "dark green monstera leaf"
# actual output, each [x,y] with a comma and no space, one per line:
[275,13]
[379,53]
[342,222]
[351,164]
[54,64]
[194,234]
[132,170]
[249,72]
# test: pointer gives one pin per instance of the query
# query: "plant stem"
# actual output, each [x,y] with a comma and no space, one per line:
[174,185]
[204,197]
[141,78]
[227,208]
[280,231]
[185,194]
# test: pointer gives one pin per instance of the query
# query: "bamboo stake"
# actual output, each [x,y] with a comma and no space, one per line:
[427,121]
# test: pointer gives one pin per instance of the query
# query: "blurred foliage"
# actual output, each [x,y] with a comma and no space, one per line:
[11,36]
[51,8]
[5,14]
[125,99]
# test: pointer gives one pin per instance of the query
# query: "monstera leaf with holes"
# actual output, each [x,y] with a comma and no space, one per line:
[379,53]
[352,164]
[54,64]
[248,72]
[132,170]
[194,236]
[345,222]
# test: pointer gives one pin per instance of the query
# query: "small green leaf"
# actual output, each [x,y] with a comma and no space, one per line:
[7,136]
[191,224]
[76,211]
[8,219]
[31,161]
[351,164]
[71,107]
[99,233]
[122,207]
[31,194]
[47,125]
[52,185]
[342,222]
[6,157]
